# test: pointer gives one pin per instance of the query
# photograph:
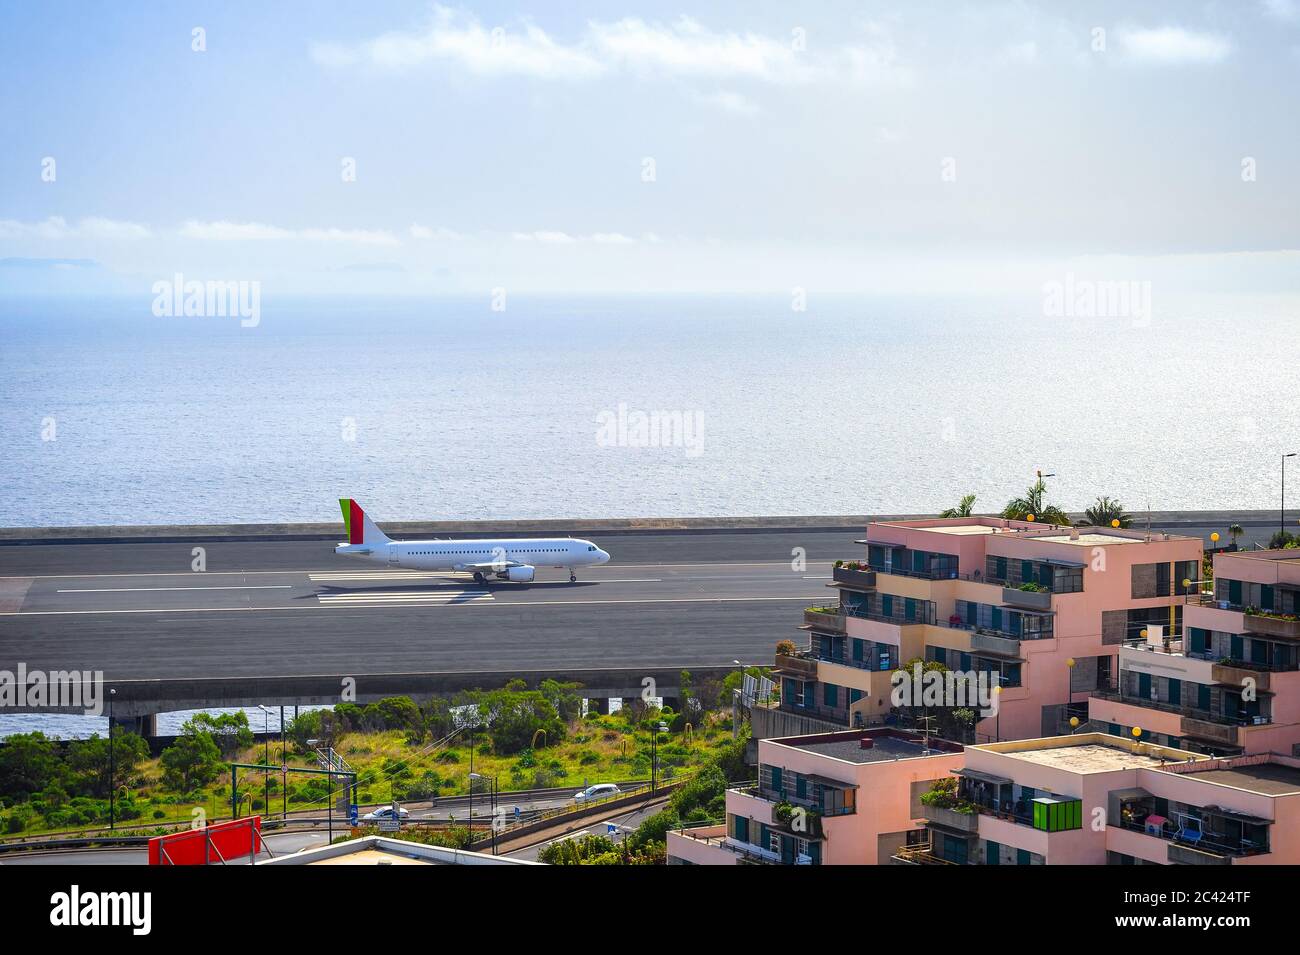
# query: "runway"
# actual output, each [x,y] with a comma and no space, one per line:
[138,611]
[283,607]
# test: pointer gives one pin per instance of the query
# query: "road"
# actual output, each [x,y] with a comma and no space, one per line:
[278,608]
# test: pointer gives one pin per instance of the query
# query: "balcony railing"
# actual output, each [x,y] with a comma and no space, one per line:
[1209,842]
[1205,716]
[924,613]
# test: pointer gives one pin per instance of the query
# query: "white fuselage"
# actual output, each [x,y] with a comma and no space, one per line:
[468,555]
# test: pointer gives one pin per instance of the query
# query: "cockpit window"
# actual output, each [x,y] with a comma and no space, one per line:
[590,547]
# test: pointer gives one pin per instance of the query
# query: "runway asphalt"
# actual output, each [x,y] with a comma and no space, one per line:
[278,608]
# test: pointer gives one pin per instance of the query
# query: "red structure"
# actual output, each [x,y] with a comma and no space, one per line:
[223,843]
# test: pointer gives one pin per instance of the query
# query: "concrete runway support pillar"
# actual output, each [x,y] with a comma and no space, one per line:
[146,726]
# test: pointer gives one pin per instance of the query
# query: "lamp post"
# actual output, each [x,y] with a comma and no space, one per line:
[1069,684]
[112,766]
[266,757]
[658,728]
[1281,518]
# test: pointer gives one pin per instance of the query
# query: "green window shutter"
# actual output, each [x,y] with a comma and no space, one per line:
[857,651]
[1238,647]
[1199,639]
[1000,566]
[1022,857]
[887,605]
[1203,696]
[1175,691]
[776,779]
[992,853]
[1266,596]
[830,694]
[1234,592]
[741,830]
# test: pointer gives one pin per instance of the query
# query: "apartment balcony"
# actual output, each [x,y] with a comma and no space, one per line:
[984,641]
[1206,729]
[967,822]
[800,663]
[857,579]
[824,619]
[1203,724]
[919,855]
[1028,599]
[1268,625]
[1238,672]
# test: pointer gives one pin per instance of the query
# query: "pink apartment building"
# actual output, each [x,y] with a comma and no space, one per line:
[849,798]
[1043,610]
[1228,682]
[1096,799]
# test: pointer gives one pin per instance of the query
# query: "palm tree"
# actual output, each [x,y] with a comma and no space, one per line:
[1235,531]
[963,509]
[1105,511]
[1019,509]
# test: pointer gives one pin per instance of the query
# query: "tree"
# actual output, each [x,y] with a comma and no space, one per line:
[229,731]
[191,761]
[1235,531]
[1019,508]
[963,508]
[89,760]
[1105,511]
[29,763]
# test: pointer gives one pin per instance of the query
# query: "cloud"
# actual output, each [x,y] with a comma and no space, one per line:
[1286,10]
[225,231]
[566,238]
[1173,45]
[683,48]
[731,102]
[424,233]
[460,39]
[56,227]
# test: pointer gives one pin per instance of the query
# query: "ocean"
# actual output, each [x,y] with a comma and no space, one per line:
[444,409]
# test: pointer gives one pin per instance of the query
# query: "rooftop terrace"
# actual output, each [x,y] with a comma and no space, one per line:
[1266,779]
[1090,753]
[886,745]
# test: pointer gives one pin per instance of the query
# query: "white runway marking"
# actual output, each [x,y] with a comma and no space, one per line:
[133,590]
[513,605]
[379,598]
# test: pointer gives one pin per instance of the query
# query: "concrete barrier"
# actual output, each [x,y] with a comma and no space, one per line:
[177,533]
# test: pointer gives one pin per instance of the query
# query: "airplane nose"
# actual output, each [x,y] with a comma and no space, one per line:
[604,557]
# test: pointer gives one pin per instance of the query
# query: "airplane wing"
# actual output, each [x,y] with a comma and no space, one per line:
[490,565]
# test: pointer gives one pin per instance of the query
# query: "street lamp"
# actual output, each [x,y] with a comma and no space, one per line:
[112,767]
[1281,519]
[266,757]
[659,727]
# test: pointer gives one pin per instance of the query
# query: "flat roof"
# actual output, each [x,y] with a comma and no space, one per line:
[962,529]
[1089,539]
[1091,753]
[883,749]
[1266,779]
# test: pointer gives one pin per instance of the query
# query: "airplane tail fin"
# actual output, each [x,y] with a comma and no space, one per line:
[361,529]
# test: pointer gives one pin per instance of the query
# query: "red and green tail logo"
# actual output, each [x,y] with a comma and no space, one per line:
[354,520]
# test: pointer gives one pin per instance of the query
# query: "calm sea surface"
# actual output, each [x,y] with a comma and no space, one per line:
[445,409]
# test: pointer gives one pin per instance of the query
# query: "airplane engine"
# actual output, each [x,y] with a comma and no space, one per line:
[520,575]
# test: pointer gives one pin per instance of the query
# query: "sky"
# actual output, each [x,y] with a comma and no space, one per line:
[414,148]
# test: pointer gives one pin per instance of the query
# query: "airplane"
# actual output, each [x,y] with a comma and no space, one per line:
[512,559]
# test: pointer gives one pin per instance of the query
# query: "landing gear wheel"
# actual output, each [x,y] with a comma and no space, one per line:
[573,578]
[479,578]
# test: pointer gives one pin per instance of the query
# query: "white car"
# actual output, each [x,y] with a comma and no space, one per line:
[598,791]
[385,813]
